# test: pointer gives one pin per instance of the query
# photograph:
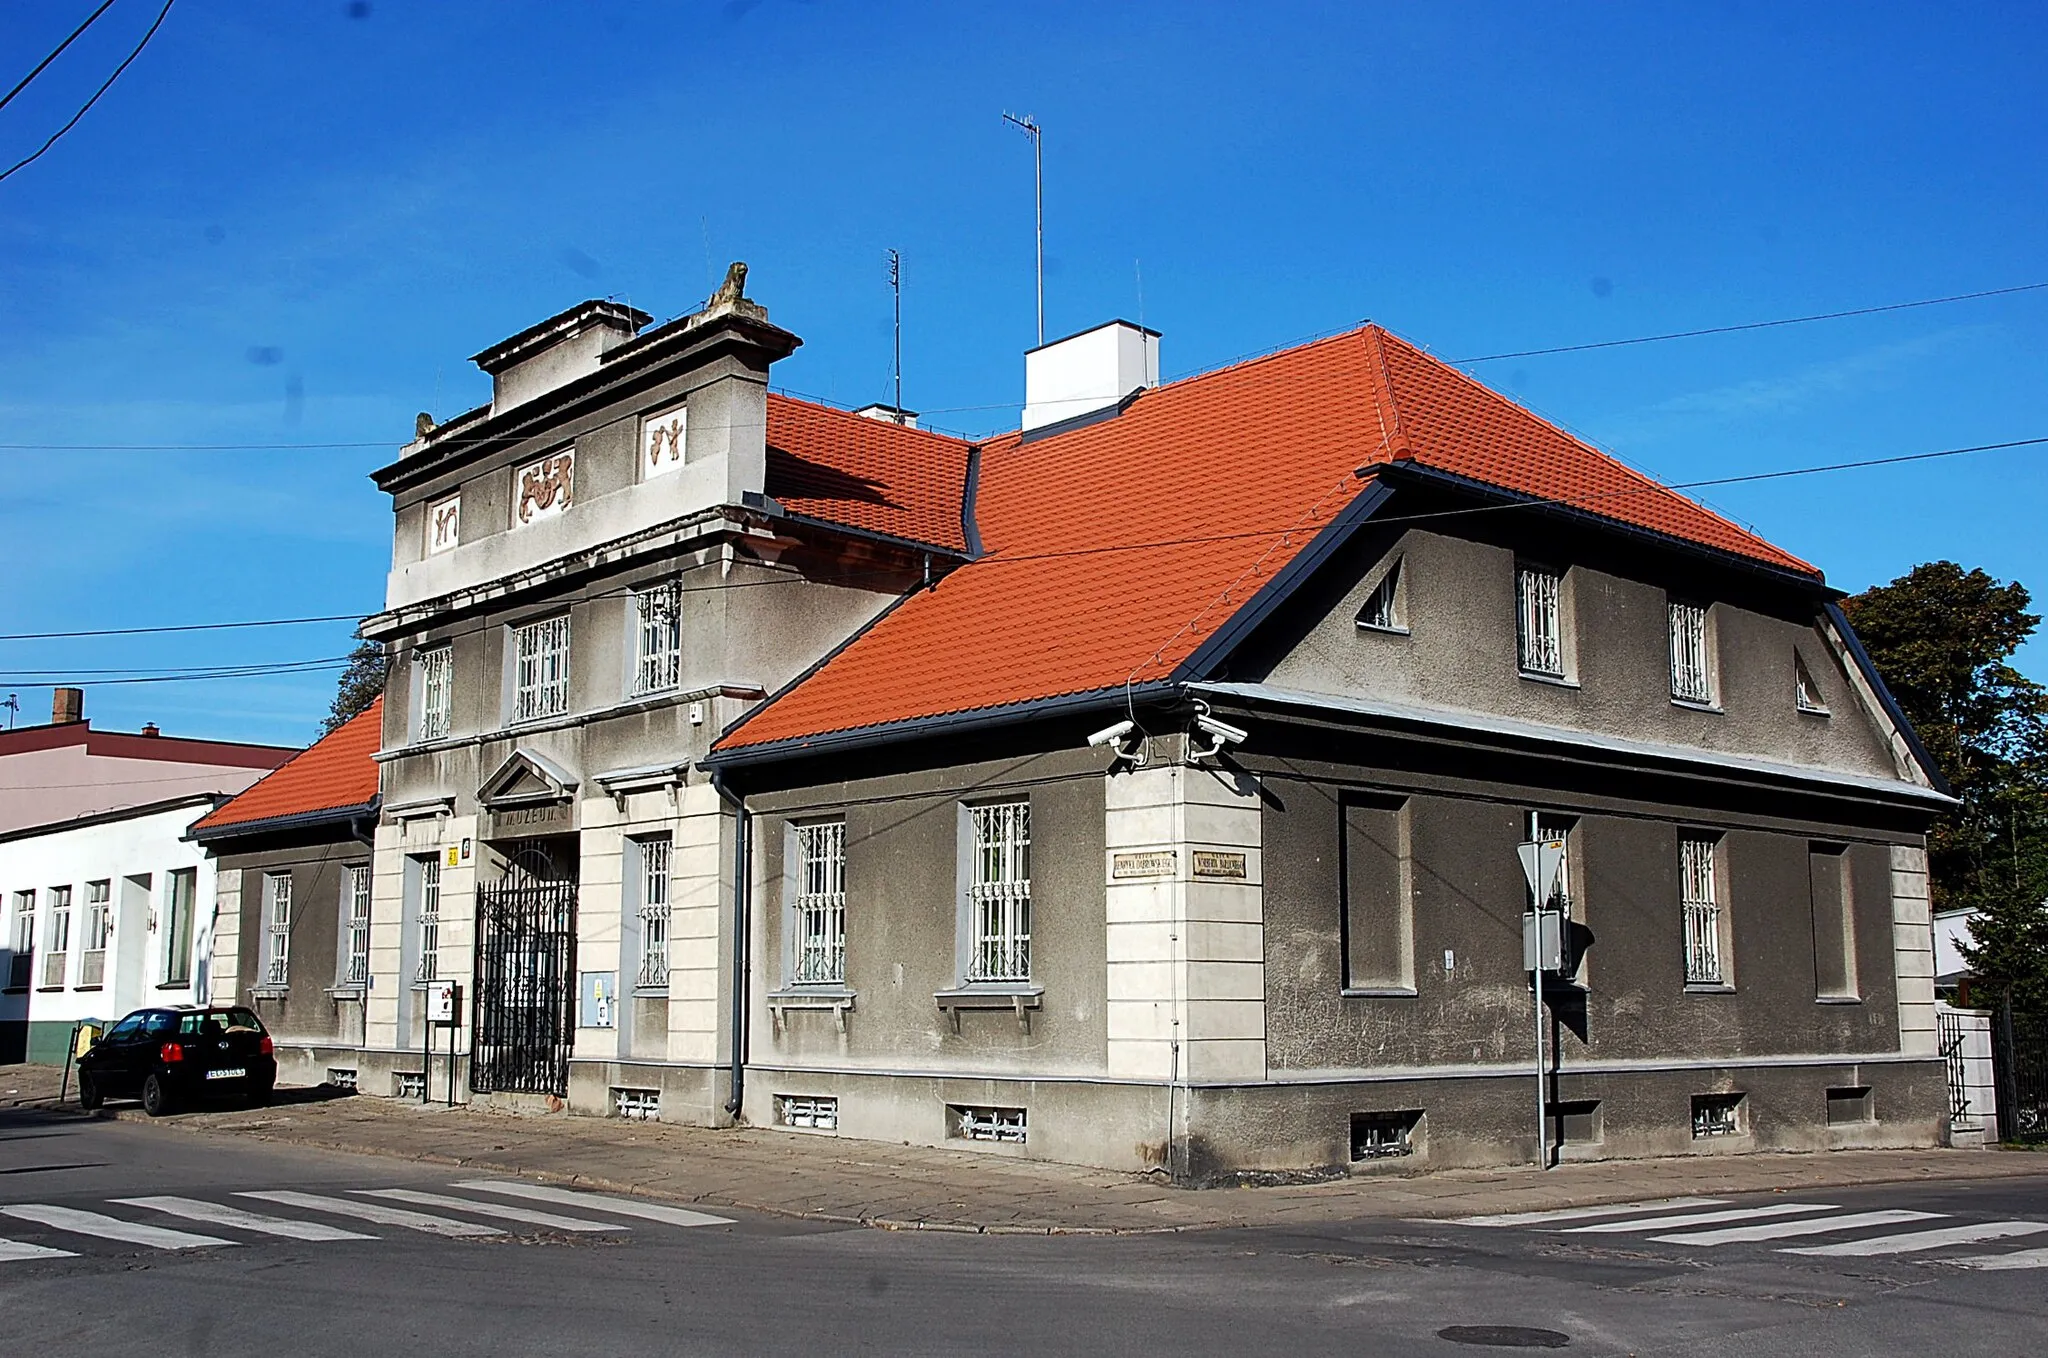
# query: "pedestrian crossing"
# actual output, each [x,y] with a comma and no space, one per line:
[474,1209]
[1708,1223]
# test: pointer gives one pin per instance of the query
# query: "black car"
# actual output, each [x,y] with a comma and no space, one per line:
[170,1056]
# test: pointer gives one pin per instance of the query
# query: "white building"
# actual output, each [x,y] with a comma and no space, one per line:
[103,914]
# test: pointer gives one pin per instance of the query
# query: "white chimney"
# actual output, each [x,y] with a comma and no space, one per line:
[1091,373]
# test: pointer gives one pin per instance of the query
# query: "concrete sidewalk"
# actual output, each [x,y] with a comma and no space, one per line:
[915,1188]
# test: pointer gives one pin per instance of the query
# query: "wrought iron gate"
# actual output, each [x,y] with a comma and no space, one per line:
[2019,1050]
[525,968]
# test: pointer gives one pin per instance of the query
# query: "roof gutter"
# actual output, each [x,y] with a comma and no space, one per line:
[1868,667]
[347,816]
[741,931]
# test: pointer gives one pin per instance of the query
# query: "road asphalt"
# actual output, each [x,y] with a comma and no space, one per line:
[121,1238]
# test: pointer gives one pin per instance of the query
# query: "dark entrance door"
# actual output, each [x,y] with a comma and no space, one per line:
[2019,1056]
[525,974]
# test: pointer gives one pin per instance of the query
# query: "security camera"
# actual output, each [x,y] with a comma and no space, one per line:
[1110,735]
[1223,731]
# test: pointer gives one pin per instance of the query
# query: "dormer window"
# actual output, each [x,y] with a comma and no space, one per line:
[1806,691]
[1540,621]
[1692,674]
[1383,611]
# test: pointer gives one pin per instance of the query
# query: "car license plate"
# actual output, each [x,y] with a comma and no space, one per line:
[227,1073]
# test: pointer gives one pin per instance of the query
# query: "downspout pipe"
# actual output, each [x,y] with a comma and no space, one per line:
[741,937]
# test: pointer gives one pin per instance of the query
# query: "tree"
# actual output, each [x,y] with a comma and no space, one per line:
[361,684]
[1943,638]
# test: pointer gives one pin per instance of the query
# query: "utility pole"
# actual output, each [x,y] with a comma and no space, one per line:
[1030,128]
[896,287]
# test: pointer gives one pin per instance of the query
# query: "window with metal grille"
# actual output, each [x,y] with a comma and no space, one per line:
[341,1077]
[355,926]
[1716,1115]
[1699,897]
[57,948]
[429,920]
[277,932]
[1382,612]
[182,890]
[20,961]
[820,902]
[409,1084]
[999,892]
[812,1114]
[989,1124]
[654,859]
[657,639]
[1541,629]
[1692,681]
[436,667]
[541,681]
[1377,1136]
[638,1105]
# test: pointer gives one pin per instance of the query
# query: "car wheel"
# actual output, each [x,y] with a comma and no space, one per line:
[156,1099]
[89,1096]
[259,1097]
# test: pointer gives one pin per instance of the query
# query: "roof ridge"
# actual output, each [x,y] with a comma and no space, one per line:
[815,403]
[1654,485]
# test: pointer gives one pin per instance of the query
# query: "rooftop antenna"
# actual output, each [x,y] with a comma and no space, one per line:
[1030,128]
[13,705]
[896,287]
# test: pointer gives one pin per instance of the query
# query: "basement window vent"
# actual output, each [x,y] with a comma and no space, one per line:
[1575,1122]
[1850,1105]
[641,1105]
[341,1077]
[988,1124]
[810,1114]
[408,1084]
[1716,1115]
[1378,1136]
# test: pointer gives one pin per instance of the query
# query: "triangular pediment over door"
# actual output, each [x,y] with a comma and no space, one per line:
[527,779]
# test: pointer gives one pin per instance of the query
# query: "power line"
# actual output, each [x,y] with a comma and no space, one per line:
[104,7]
[29,676]
[1755,325]
[162,14]
[246,672]
[791,576]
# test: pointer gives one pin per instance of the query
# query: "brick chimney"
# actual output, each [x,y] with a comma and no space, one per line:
[149,728]
[67,705]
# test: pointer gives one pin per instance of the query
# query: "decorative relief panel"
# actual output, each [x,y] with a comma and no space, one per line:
[444,525]
[543,489]
[662,438]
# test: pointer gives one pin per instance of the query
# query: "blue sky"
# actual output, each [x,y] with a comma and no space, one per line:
[291,224]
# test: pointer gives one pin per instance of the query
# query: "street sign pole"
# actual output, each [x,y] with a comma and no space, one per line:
[1542,860]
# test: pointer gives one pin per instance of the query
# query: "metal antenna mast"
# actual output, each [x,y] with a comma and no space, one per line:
[896,286]
[1030,128]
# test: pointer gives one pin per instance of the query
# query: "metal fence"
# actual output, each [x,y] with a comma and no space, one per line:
[2019,1051]
[1953,1036]
[525,968]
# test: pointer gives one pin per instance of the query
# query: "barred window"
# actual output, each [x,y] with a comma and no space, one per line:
[820,926]
[999,892]
[355,926]
[1699,898]
[57,950]
[657,639]
[1691,679]
[429,967]
[178,917]
[541,682]
[436,689]
[654,860]
[277,936]
[1540,630]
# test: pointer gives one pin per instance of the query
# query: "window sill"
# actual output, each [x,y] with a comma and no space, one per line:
[88,987]
[1838,999]
[185,984]
[1554,680]
[1019,997]
[49,989]
[1691,706]
[1709,988]
[269,992]
[650,992]
[818,999]
[1378,992]
[14,990]
[344,992]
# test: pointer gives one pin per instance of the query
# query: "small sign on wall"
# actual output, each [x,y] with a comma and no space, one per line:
[600,997]
[1155,863]
[442,1002]
[1210,863]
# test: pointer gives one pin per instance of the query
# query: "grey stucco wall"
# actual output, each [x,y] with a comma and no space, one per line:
[1460,651]
[309,1013]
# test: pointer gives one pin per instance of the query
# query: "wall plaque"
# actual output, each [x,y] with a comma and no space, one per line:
[543,489]
[1209,863]
[546,818]
[1158,863]
[662,440]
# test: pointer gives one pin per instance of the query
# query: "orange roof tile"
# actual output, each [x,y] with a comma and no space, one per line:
[336,773]
[1114,550]
[869,474]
